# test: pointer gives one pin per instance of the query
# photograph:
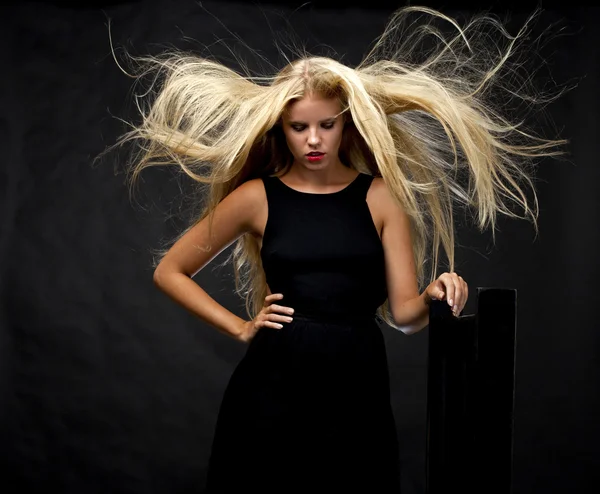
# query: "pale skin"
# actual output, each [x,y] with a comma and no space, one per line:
[311,124]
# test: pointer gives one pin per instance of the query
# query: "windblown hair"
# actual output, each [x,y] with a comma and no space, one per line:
[433,129]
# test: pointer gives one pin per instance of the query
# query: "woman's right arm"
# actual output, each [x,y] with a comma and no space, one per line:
[237,214]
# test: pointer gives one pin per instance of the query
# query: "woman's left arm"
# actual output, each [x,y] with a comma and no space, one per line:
[409,309]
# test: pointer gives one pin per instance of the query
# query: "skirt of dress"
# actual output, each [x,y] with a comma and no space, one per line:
[308,410]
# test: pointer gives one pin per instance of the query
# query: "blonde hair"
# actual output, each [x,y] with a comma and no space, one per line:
[429,128]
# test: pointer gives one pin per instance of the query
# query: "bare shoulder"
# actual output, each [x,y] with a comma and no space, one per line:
[249,191]
[250,199]
[247,196]
[378,187]
[381,198]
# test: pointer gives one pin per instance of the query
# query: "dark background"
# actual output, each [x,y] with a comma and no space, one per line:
[108,387]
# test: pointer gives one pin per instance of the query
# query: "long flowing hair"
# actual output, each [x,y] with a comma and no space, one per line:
[424,111]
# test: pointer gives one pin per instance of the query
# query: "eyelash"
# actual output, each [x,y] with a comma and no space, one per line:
[327,126]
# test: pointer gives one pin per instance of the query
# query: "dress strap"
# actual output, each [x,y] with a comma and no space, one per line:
[363,183]
[271,188]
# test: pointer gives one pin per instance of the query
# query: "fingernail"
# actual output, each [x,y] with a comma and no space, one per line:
[450,302]
[455,308]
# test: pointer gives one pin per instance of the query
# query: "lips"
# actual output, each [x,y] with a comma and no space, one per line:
[314,156]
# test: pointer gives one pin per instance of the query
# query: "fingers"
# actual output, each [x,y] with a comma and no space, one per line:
[273,314]
[279,308]
[448,281]
[269,299]
[457,291]
[439,292]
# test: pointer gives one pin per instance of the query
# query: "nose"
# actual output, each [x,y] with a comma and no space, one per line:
[313,138]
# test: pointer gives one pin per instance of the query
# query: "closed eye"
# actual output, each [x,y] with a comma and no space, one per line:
[324,125]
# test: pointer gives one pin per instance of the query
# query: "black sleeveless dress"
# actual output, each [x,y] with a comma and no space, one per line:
[308,408]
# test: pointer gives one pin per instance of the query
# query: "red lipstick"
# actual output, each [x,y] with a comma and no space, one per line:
[315,156]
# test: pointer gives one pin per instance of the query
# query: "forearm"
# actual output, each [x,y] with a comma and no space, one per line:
[413,315]
[187,293]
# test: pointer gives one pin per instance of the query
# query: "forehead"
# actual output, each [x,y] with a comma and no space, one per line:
[312,108]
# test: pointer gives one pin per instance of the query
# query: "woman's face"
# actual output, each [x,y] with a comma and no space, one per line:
[313,130]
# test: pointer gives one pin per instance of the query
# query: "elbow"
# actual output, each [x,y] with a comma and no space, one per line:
[407,329]
[410,327]
[410,330]
[410,317]
[157,276]
[401,323]
[160,275]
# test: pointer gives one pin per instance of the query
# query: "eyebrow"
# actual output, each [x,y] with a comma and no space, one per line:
[298,122]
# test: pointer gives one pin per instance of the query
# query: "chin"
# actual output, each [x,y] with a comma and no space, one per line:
[321,164]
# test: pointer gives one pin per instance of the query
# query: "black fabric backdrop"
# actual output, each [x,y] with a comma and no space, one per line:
[107,386]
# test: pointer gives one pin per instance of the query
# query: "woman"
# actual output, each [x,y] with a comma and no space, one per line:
[338,185]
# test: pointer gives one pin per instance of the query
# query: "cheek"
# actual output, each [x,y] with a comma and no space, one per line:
[293,142]
[336,137]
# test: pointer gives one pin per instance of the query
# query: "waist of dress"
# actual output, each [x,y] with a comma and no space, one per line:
[342,318]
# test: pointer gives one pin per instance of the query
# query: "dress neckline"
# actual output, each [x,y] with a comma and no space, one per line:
[354,180]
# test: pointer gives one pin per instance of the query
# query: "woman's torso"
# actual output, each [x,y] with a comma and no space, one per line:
[323,251]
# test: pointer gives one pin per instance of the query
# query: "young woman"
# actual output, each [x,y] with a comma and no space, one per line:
[338,186]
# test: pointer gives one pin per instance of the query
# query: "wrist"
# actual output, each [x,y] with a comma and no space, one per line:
[242,333]
[236,329]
